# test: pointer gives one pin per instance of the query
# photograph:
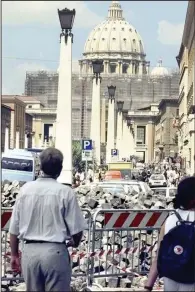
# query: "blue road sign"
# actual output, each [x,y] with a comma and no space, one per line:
[114,152]
[87,145]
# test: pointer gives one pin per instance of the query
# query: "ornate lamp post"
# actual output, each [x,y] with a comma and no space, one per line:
[111,122]
[95,110]
[119,136]
[64,103]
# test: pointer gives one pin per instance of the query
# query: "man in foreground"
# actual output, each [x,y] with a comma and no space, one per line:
[46,214]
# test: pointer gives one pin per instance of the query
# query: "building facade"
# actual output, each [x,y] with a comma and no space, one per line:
[118,44]
[186,62]
[5,122]
[166,132]
[20,121]
[17,118]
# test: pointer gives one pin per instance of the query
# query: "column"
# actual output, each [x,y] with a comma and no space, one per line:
[140,68]
[26,140]
[17,138]
[150,140]
[119,136]
[45,144]
[103,121]
[33,140]
[125,139]
[6,144]
[12,130]
[95,118]
[40,141]
[110,130]
[64,108]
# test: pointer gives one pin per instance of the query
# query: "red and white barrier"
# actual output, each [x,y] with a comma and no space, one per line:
[133,219]
[5,219]
[100,253]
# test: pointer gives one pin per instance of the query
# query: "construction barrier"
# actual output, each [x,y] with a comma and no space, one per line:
[124,242]
[117,243]
[7,274]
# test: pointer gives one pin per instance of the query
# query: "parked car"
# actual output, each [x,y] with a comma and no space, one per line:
[138,186]
[20,165]
[157,180]
[111,188]
[169,192]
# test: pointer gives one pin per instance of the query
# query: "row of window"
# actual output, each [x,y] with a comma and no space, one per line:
[114,28]
[114,39]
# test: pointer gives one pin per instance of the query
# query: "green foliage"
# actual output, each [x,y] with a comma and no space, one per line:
[77,162]
[77,156]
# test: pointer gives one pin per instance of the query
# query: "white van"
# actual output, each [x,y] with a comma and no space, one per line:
[20,165]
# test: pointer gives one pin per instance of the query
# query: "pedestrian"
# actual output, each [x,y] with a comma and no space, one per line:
[175,260]
[47,219]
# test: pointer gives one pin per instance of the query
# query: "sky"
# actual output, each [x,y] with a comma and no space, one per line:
[31,29]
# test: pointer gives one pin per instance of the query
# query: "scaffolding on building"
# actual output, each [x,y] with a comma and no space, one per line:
[136,92]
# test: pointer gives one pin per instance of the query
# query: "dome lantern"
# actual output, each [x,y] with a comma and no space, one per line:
[115,11]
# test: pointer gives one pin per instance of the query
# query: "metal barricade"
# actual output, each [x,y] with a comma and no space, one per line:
[124,242]
[80,265]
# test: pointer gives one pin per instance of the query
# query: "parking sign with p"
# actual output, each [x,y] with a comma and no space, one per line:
[114,152]
[87,145]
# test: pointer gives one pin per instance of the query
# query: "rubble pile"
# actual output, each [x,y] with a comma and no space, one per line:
[94,198]
[138,263]
[9,192]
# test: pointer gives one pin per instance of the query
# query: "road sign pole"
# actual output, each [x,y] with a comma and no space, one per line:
[86,168]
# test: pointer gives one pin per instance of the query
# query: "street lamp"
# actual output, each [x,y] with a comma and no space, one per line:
[120,105]
[97,69]
[97,66]
[111,91]
[66,17]
[64,100]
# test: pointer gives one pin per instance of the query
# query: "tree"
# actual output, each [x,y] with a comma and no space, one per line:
[77,162]
[77,156]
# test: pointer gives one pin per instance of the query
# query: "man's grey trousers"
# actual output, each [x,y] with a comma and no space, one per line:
[46,267]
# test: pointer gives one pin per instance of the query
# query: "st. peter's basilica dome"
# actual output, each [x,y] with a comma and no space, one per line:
[117,43]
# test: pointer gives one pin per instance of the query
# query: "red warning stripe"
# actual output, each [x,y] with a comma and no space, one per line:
[5,217]
[121,220]
[137,220]
[134,219]
[153,219]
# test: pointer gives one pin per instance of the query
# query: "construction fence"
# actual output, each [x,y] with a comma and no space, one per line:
[117,243]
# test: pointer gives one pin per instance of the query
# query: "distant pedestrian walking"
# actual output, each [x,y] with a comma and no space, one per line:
[175,260]
[46,215]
